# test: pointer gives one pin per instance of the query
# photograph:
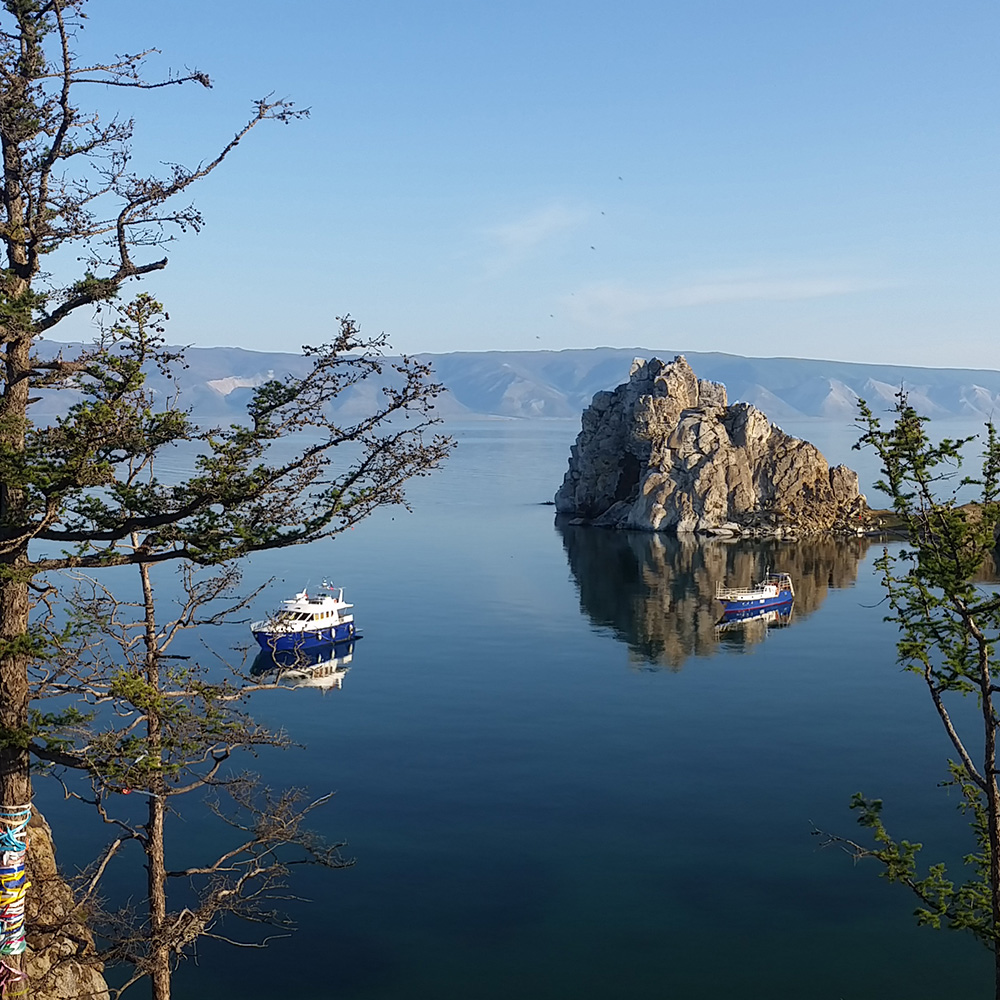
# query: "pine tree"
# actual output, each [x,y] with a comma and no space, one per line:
[78,493]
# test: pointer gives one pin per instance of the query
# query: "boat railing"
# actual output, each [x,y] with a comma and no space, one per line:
[735,593]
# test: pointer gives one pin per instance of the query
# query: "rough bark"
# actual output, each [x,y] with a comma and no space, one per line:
[15,605]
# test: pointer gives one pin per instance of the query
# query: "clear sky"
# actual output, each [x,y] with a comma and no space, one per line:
[764,178]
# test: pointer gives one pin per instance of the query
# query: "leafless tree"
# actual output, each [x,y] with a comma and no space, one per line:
[134,719]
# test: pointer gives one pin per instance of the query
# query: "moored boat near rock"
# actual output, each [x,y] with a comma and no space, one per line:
[775,591]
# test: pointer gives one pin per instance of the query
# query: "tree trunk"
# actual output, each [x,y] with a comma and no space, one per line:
[992,793]
[993,828]
[15,604]
[159,955]
[15,783]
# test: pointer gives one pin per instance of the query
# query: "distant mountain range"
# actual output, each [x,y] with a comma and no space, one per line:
[537,384]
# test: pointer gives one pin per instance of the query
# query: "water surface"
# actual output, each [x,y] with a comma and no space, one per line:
[559,780]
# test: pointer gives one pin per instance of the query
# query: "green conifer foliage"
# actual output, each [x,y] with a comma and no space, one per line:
[948,616]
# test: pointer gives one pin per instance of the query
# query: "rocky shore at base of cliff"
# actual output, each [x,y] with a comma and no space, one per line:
[666,452]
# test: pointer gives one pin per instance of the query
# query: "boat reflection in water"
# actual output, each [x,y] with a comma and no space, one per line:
[751,625]
[321,667]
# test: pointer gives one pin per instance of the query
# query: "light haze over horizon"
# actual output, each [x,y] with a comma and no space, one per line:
[767,179]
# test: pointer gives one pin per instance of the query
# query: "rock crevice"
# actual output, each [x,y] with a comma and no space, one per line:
[666,452]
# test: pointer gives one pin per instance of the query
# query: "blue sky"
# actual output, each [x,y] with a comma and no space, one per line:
[766,178]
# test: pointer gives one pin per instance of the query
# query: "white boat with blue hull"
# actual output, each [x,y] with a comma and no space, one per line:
[774,592]
[307,622]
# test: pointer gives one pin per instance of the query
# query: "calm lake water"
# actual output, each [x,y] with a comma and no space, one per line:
[560,781]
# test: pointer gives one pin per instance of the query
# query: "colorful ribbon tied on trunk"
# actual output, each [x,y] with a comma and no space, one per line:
[13,888]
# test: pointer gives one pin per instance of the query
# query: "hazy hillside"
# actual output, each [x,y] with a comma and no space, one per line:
[533,384]
[561,383]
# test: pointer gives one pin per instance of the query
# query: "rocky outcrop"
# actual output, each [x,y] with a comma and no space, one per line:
[665,452]
[60,960]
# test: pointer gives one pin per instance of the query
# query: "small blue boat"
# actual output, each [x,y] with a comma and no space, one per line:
[307,622]
[774,592]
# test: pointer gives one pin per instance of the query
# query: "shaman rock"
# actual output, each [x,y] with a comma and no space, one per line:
[665,452]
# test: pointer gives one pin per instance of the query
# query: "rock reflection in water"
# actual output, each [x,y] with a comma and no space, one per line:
[657,592]
[322,668]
